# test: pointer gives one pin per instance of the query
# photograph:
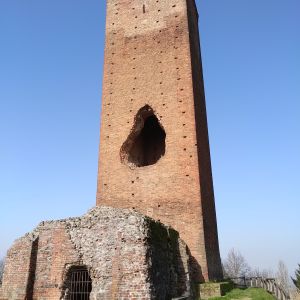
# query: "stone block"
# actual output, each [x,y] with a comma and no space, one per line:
[212,289]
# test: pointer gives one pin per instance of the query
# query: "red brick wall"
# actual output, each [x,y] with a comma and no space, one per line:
[15,282]
[55,251]
[152,58]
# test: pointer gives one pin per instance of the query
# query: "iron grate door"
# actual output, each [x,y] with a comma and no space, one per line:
[80,285]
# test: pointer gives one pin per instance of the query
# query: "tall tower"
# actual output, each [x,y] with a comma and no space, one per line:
[154,149]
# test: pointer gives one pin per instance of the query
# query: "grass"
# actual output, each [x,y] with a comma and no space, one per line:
[250,293]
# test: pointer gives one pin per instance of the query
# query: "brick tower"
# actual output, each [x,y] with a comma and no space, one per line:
[154,149]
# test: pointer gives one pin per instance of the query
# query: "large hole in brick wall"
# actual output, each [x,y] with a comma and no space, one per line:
[78,284]
[145,144]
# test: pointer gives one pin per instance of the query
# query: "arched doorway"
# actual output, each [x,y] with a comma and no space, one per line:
[78,284]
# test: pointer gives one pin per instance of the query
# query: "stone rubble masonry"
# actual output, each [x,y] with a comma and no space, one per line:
[128,256]
[152,58]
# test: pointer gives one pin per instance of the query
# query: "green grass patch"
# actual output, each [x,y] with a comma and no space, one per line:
[250,293]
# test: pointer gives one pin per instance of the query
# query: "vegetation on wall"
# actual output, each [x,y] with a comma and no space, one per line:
[296,280]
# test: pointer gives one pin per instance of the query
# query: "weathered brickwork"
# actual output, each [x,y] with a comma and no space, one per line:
[128,256]
[153,69]
[154,160]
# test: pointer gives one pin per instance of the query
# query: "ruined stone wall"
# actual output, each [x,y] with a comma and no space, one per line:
[152,61]
[128,256]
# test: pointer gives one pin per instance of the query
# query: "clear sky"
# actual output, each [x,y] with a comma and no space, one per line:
[51,56]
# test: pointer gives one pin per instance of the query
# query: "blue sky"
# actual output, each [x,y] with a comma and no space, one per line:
[51,58]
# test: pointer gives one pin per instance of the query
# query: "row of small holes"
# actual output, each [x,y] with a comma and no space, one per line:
[133,181]
[112,64]
[178,77]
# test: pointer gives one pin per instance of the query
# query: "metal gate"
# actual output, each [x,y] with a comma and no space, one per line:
[79,284]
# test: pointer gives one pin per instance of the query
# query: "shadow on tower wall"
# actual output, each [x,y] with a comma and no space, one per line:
[173,270]
[32,268]
[214,267]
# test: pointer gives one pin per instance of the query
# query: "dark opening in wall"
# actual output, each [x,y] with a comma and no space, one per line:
[78,284]
[145,144]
